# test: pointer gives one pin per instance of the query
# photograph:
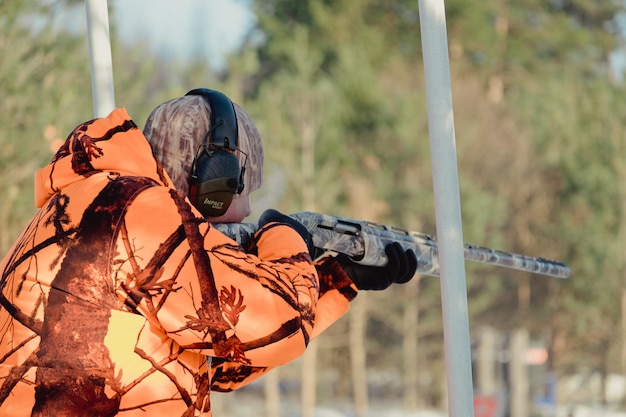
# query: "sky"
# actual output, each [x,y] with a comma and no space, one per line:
[180,29]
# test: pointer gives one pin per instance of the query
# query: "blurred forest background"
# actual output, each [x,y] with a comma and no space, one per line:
[337,90]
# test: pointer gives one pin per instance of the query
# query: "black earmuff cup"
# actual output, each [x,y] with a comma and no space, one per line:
[214,197]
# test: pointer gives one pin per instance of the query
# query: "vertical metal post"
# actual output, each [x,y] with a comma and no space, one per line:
[102,88]
[448,208]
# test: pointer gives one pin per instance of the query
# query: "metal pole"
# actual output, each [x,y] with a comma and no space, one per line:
[102,87]
[448,208]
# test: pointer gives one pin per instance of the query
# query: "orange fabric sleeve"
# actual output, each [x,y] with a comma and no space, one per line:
[210,296]
[337,290]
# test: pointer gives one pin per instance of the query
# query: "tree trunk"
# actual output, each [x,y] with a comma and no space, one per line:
[271,388]
[364,207]
[621,170]
[624,334]
[410,346]
[309,380]
[358,322]
[486,369]
[308,132]
[519,374]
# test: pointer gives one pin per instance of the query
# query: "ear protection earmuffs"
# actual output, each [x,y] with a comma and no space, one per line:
[215,172]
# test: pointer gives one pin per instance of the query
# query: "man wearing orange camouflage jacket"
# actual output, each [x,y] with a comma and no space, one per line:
[119,289]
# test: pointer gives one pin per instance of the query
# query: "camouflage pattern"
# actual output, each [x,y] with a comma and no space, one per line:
[118,291]
[365,242]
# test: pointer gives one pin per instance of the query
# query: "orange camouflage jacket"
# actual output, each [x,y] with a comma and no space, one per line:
[118,291]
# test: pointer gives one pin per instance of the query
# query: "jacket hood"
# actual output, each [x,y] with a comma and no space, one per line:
[110,144]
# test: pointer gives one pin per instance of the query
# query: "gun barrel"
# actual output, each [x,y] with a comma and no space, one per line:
[540,266]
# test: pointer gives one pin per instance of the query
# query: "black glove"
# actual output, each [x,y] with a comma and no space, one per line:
[273,216]
[400,269]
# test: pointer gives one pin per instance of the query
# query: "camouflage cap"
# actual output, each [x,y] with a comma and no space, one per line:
[176,129]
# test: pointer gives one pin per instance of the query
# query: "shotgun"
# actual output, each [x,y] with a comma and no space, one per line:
[365,243]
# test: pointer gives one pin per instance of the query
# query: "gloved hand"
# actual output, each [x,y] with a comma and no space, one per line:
[400,269]
[274,216]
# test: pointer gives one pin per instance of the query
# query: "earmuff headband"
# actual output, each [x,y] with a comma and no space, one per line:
[224,132]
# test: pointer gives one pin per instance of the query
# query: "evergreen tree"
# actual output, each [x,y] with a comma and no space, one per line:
[45,89]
